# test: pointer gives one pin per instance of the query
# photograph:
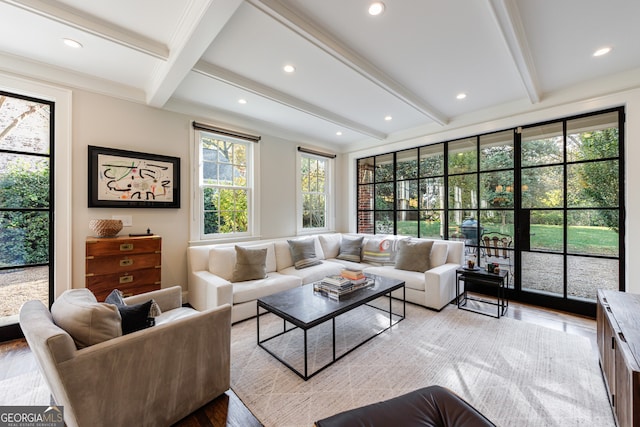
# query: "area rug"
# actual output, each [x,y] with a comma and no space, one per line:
[514,372]
[27,389]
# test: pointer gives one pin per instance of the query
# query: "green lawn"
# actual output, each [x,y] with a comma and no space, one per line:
[582,240]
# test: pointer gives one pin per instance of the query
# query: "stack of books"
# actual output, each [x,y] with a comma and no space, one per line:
[355,275]
[337,286]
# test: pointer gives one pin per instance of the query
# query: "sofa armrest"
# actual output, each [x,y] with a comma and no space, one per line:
[167,298]
[207,290]
[440,285]
[175,367]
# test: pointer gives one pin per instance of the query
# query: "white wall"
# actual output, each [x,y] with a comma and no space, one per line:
[629,99]
[109,122]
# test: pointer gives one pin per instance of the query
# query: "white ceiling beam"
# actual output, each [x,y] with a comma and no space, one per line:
[510,24]
[226,76]
[27,68]
[201,24]
[309,31]
[90,24]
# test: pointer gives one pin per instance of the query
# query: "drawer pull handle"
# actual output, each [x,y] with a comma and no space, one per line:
[126,247]
[126,279]
[126,262]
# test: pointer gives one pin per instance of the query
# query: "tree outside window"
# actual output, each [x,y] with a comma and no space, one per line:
[314,192]
[224,186]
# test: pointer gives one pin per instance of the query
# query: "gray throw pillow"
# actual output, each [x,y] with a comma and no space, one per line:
[414,255]
[351,249]
[251,264]
[303,253]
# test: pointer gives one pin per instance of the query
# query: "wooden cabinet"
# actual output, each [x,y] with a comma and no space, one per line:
[130,264]
[618,323]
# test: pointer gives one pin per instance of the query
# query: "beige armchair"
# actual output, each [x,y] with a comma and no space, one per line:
[152,377]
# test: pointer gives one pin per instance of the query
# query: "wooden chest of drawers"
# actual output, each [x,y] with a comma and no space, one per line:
[130,264]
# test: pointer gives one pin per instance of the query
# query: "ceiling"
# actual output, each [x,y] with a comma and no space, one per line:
[351,69]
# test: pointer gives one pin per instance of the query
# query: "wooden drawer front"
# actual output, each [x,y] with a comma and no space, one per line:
[126,290]
[123,246]
[122,263]
[104,284]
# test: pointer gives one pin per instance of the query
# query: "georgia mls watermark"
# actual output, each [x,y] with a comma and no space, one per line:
[31,416]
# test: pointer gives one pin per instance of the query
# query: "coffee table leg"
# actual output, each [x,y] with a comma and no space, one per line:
[333,322]
[306,376]
[258,322]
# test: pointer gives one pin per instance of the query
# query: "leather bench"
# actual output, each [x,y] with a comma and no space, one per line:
[430,406]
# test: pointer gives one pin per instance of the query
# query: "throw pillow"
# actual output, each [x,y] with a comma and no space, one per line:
[115,297]
[250,264]
[303,253]
[378,250]
[135,317]
[84,318]
[351,249]
[330,244]
[414,255]
[439,253]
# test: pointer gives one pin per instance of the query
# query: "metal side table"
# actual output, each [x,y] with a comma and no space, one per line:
[480,275]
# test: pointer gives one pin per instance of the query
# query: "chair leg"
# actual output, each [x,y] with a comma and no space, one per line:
[487,246]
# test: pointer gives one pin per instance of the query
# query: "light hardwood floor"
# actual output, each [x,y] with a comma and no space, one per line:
[228,409]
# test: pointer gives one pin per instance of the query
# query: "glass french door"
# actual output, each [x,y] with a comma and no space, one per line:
[569,220]
[26,206]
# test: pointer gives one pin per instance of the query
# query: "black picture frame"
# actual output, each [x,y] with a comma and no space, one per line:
[131,179]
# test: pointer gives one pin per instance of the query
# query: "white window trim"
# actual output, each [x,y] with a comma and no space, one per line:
[197,208]
[330,190]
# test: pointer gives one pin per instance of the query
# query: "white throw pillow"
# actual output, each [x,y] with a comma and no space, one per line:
[439,253]
[330,244]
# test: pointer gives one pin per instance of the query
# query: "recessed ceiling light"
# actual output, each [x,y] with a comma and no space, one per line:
[72,43]
[289,68]
[461,95]
[388,118]
[376,8]
[602,51]
[338,133]
[242,101]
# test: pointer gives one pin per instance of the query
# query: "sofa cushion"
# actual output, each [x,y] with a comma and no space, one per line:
[316,272]
[380,250]
[250,264]
[330,244]
[303,253]
[84,318]
[412,279]
[254,289]
[439,253]
[222,260]
[351,249]
[414,255]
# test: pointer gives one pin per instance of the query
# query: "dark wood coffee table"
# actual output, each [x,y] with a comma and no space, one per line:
[304,309]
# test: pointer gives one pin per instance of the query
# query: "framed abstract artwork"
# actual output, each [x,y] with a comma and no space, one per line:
[129,179]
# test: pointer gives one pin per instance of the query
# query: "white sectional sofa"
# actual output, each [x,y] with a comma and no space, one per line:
[211,270]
